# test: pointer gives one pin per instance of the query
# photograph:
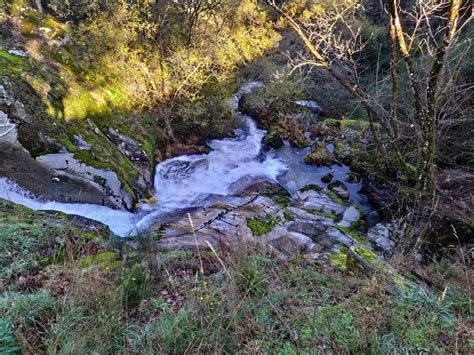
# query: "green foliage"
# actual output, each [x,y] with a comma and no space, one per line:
[273,140]
[337,323]
[25,243]
[281,201]
[288,216]
[8,342]
[178,332]
[262,225]
[250,276]
[135,283]
[433,316]
[30,313]
[338,261]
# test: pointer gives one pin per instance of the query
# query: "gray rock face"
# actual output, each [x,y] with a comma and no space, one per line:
[317,201]
[350,216]
[134,152]
[381,235]
[8,132]
[67,167]
[56,175]
[81,143]
[224,224]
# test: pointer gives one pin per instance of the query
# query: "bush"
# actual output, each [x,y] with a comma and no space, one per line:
[135,284]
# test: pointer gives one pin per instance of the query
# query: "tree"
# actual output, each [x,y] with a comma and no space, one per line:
[428,33]
[193,11]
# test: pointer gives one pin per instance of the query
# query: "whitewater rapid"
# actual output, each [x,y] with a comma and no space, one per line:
[180,183]
[191,181]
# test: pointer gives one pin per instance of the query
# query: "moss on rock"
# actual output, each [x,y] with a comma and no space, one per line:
[273,140]
[262,225]
[320,155]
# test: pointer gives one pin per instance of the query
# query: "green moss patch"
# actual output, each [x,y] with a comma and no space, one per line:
[354,234]
[288,216]
[281,201]
[106,261]
[338,261]
[312,187]
[365,253]
[320,213]
[262,225]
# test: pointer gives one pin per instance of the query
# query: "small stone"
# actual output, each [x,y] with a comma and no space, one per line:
[327,178]
[344,194]
[80,142]
[352,178]
[273,140]
[380,234]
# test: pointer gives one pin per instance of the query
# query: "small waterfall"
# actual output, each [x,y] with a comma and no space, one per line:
[193,181]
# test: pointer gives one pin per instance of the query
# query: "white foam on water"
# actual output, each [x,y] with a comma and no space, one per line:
[186,181]
[120,222]
[180,183]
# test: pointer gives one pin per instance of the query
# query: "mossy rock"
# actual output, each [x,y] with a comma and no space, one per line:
[290,217]
[312,187]
[281,201]
[262,225]
[320,213]
[327,178]
[354,234]
[338,261]
[320,155]
[365,252]
[273,140]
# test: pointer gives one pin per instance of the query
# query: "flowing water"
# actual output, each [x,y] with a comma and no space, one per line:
[191,181]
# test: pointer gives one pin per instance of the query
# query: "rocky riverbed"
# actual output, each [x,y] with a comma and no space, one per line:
[307,222]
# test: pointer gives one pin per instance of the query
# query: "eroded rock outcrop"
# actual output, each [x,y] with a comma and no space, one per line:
[307,222]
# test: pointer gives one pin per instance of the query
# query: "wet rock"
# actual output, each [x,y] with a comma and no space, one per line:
[66,169]
[320,155]
[327,178]
[351,215]
[313,106]
[336,235]
[8,131]
[312,229]
[339,188]
[381,234]
[314,200]
[17,52]
[30,174]
[273,140]
[352,178]
[288,242]
[180,149]
[132,149]
[307,216]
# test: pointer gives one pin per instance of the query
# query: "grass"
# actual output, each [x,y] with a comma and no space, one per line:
[244,301]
